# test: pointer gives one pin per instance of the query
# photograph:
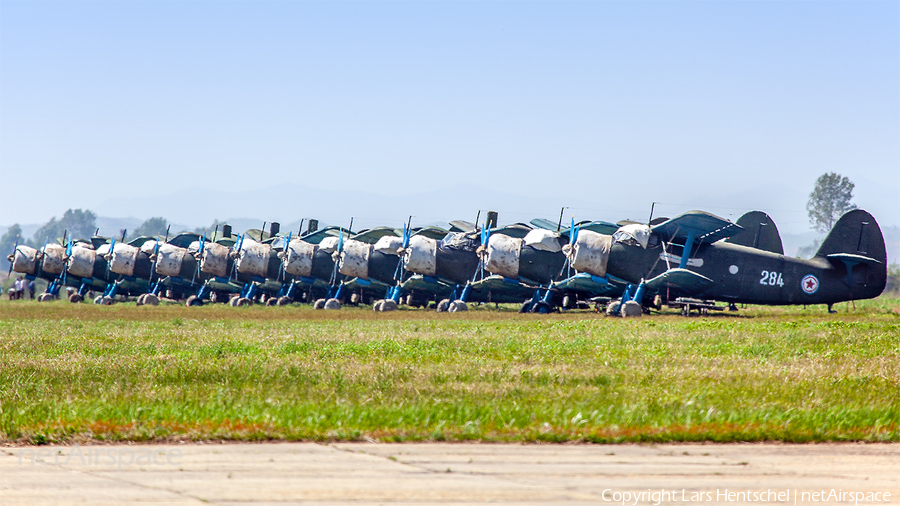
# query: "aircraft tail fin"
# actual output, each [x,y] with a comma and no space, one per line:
[856,233]
[857,244]
[759,231]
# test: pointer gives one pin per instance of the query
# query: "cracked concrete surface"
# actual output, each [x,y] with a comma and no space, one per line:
[371,473]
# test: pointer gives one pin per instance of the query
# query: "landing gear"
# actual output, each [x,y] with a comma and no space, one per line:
[540,307]
[443,306]
[193,300]
[831,311]
[457,306]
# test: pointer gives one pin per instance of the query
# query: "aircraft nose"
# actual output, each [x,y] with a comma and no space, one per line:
[590,253]
[24,259]
[420,256]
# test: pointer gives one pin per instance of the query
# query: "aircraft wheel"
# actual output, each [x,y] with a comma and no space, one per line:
[271,301]
[284,300]
[243,301]
[657,302]
[378,305]
[540,308]
[97,299]
[388,305]
[75,298]
[526,307]
[704,312]
[319,304]
[612,309]
[44,297]
[457,306]
[354,298]
[631,309]
[193,300]
[443,306]
[569,302]
[107,301]
[150,299]
[332,304]
[140,300]
[686,310]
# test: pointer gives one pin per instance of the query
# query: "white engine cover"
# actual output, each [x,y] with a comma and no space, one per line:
[123,258]
[503,255]
[421,255]
[214,259]
[81,261]
[590,252]
[253,258]
[299,258]
[389,244]
[329,244]
[544,240]
[355,259]
[54,259]
[169,260]
[25,259]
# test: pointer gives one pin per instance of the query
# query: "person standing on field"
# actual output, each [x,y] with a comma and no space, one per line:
[20,288]
[31,289]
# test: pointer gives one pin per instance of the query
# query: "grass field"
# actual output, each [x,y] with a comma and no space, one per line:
[84,372]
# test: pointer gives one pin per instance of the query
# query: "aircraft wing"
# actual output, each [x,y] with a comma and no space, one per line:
[426,284]
[518,230]
[367,284]
[545,224]
[590,285]
[372,235]
[319,235]
[436,233]
[681,279]
[496,288]
[601,227]
[704,226]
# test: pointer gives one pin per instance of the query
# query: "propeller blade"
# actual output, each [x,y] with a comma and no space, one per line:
[14,255]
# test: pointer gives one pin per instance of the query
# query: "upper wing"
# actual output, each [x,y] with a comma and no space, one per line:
[703,226]
[372,235]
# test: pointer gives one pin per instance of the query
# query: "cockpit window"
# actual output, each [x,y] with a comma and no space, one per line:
[625,239]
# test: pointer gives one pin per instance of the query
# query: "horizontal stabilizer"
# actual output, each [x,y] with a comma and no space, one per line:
[851,259]
[705,227]
[682,279]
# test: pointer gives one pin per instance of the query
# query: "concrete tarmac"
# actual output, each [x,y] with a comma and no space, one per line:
[437,473]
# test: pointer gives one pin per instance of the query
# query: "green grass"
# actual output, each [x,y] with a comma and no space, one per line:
[84,372]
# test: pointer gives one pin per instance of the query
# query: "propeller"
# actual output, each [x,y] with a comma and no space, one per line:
[13,256]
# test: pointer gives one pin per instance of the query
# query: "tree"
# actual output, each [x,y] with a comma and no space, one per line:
[829,200]
[80,224]
[6,245]
[151,227]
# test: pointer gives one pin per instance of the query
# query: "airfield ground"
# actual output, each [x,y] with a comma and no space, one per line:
[87,374]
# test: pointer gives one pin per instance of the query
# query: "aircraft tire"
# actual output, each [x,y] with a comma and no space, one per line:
[332,304]
[319,304]
[243,301]
[271,301]
[106,301]
[44,297]
[378,305]
[569,302]
[388,305]
[612,309]
[541,308]
[97,299]
[526,307]
[233,300]
[631,309]
[140,300]
[193,300]
[150,299]
[284,300]
[354,299]
[657,302]
[457,306]
[443,306]
[75,298]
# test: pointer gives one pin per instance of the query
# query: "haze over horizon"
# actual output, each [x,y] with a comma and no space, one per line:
[280,110]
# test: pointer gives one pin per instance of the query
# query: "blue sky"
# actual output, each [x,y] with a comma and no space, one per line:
[611,105]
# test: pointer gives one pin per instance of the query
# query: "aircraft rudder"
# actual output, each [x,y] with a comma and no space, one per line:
[857,233]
